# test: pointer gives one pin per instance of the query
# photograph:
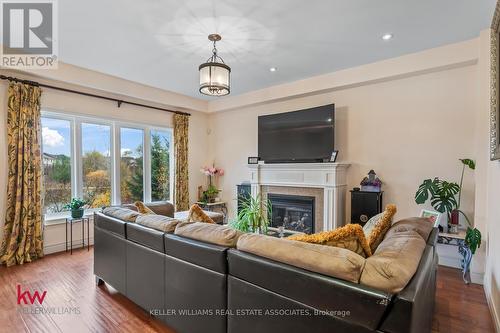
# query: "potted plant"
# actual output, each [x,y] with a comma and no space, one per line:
[76,206]
[442,195]
[212,191]
[253,215]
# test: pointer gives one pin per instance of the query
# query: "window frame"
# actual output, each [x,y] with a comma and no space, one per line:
[76,150]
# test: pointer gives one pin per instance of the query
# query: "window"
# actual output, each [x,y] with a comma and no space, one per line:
[160,165]
[56,161]
[105,162]
[131,165]
[96,164]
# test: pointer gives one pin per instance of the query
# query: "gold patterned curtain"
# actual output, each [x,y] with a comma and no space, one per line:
[181,127]
[23,229]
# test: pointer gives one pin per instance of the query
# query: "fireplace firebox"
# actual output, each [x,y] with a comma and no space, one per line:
[293,212]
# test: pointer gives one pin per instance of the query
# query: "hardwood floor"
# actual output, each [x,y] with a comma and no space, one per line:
[460,308]
[69,283]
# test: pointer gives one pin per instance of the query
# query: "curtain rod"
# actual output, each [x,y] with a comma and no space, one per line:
[118,101]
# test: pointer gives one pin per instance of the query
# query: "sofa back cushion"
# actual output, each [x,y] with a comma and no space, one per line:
[394,262]
[158,222]
[209,232]
[420,225]
[124,214]
[328,260]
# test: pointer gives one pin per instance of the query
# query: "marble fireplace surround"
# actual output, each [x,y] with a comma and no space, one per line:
[325,181]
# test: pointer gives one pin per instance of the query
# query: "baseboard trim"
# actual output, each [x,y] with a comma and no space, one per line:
[477,278]
[491,304]
[61,247]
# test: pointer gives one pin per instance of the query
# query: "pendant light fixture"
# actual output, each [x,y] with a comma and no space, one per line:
[214,73]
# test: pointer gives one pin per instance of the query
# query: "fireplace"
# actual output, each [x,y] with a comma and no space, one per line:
[294,212]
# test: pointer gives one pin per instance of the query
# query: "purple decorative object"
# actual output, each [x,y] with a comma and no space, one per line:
[371,183]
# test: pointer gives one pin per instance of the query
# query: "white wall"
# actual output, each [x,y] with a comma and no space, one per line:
[489,196]
[71,103]
[411,123]
[406,129]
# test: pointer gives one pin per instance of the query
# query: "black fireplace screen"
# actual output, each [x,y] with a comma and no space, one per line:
[294,212]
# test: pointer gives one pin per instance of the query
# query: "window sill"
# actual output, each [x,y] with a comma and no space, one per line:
[61,219]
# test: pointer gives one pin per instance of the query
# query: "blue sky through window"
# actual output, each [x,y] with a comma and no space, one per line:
[56,136]
[96,137]
[130,140]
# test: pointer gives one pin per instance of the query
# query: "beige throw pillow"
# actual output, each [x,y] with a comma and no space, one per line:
[378,225]
[196,214]
[142,208]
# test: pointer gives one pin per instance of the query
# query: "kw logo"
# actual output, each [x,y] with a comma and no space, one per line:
[28,298]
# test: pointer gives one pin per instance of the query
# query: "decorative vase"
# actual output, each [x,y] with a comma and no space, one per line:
[77,213]
[454,222]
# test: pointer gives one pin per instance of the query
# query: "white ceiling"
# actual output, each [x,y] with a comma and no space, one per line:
[162,42]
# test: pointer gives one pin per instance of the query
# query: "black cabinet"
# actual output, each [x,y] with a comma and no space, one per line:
[244,191]
[365,205]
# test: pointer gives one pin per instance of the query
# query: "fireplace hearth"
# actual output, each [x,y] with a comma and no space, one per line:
[294,212]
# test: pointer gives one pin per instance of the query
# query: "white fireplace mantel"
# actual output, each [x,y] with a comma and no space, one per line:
[331,177]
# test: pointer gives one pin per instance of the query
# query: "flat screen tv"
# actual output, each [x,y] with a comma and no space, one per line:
[298,136]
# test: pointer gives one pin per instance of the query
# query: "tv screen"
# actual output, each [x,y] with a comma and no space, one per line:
[299,136]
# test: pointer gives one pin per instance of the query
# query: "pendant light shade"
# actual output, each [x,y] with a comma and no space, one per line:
[214,73]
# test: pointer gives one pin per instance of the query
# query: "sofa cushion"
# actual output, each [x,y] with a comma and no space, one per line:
[394,262]
[420,225]
[142,208]
[158,222]
[110,224]
[209,232]
[196,214]
[378,225]
[124,214]
[146,236]
[217,217]
[350,237]
[328,260]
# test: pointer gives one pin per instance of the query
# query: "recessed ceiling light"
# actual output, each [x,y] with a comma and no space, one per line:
[387,36]
[273,69]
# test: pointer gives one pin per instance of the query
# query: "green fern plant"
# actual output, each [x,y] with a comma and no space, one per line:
[253,215]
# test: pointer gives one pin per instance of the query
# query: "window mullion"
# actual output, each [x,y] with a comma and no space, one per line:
[76,186]
[147,164]
[115,164]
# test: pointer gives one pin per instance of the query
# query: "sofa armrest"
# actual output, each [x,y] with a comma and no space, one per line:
[413,308]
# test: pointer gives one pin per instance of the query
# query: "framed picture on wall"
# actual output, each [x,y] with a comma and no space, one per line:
[333,158]
[494,86]
[431,215]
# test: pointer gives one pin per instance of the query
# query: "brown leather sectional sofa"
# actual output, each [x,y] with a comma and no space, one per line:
[196,286]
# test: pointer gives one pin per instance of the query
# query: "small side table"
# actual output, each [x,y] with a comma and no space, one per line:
[465,252]
[71,221]
[212,206]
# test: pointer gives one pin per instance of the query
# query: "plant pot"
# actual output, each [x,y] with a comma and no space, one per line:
[77,213]
[454,217]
